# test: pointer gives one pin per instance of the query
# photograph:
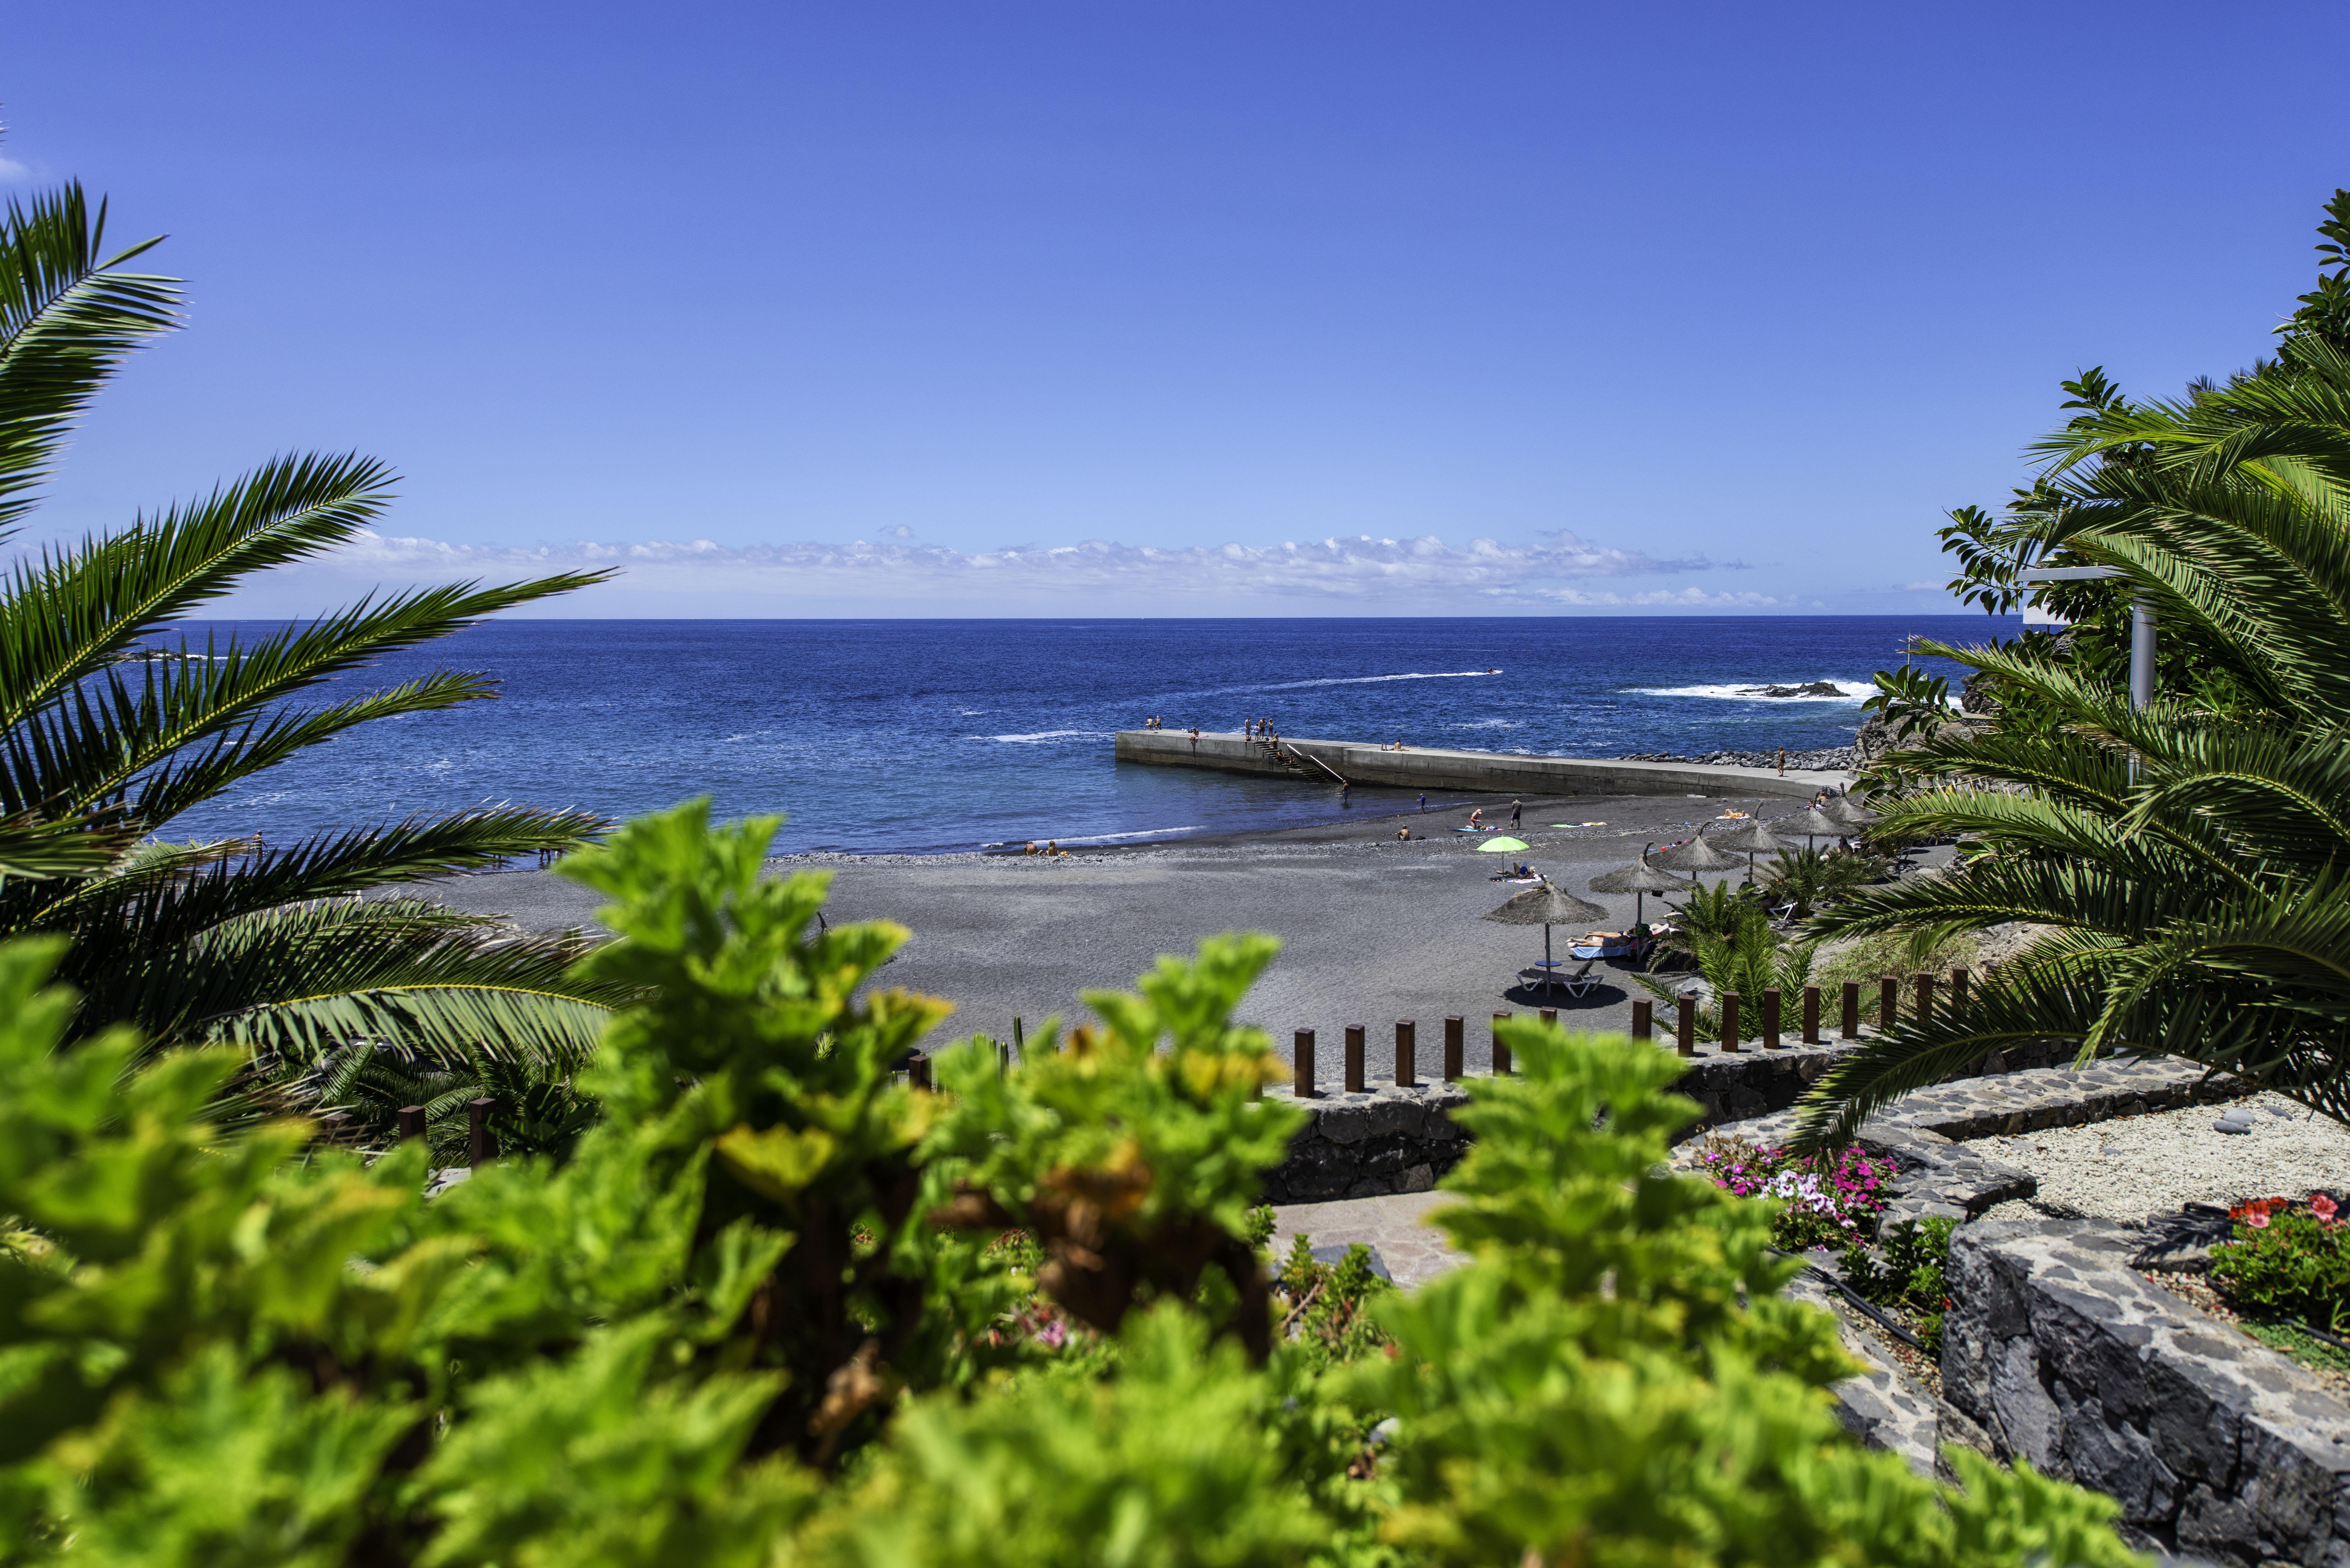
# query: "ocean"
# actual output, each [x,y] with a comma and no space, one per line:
[930,737]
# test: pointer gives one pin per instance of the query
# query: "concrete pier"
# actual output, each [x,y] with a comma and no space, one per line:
[1497,772]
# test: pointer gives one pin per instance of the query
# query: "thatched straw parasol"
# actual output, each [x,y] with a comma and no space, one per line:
[1755,838]
[1812,823]
[1698,855]
[1639,880]
[1845,809]
[1547,906]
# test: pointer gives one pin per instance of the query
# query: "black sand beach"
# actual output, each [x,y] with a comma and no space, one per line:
[1374,930]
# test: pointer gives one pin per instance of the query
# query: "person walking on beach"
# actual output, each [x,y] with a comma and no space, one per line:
[1423,803]
[1516,807]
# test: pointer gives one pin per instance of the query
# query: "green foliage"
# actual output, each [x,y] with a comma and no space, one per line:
[1616,1380]
[2188,854]
[1908,700]
[113,726]
[1325,1307]
[1729,936]
[2288,1259]
[1814,878]
[1135,1169]
[746,1320]
[1905,1271]
[1177,1461]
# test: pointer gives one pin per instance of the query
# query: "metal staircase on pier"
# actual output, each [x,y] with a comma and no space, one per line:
[1296,762]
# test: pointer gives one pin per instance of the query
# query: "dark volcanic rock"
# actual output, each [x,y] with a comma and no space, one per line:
[1809,688]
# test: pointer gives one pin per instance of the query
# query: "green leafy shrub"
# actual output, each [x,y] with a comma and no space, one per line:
[1905,1272]
[757,1313]
[2289,1258]
[1325,1309]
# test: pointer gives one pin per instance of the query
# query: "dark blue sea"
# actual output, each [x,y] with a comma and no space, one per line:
[938,736]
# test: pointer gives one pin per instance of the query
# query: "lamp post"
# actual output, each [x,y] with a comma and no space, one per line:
[2141,663]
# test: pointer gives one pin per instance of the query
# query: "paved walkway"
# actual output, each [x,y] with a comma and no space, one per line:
[1413,1252]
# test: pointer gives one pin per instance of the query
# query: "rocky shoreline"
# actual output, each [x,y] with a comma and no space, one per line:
[1833,759]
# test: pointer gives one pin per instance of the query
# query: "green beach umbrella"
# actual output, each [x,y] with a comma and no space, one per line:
[1505,842]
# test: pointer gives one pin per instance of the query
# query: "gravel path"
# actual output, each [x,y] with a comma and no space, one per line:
[2134,1166]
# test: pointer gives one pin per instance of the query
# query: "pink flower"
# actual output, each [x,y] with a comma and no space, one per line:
[2258,1220]
[2322,1207]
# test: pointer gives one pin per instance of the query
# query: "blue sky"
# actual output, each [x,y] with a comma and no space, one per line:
[1134,308]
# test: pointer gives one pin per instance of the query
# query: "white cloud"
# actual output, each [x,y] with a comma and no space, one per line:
[12,171]
[1355,574]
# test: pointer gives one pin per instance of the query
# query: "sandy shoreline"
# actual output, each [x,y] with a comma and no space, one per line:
[1374,930]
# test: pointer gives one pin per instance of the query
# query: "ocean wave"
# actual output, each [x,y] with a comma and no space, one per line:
[1492,724]
[1749,691]
[1108,838]
[1042,736]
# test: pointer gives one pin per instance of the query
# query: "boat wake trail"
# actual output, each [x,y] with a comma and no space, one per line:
[1351,680]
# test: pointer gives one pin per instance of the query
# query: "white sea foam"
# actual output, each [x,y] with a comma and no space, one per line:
[1492,724]
[1040,735]
[1744,691]
[1145,832]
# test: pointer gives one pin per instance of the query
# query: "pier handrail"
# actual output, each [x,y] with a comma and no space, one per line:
[1319,763]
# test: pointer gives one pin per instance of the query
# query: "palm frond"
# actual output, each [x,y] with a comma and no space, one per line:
[70,314]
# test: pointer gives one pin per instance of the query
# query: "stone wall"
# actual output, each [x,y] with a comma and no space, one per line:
[1369,1145]
[2058,1351]
[1389,1139]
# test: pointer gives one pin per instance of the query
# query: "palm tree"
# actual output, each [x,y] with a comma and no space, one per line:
[1730,939]
[2193,856]
[104,740]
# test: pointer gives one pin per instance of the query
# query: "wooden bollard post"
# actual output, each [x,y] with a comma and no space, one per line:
[1811,1015]
[1354,1058]
[480,1143]
[1850,1026]
[1550,1016]
[1687,1024]
[1925,1010]
[1888,1003]
[1771,1018]
[1300,1064]
[411,1121]
[1644,1020]
[918,1073]
[1501,1052]
[1456,1048]
[1958,986]
[1019,1039]
[1729,1022]
[1406,1050]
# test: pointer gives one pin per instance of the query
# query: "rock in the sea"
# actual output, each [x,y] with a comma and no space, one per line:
[1809,688]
